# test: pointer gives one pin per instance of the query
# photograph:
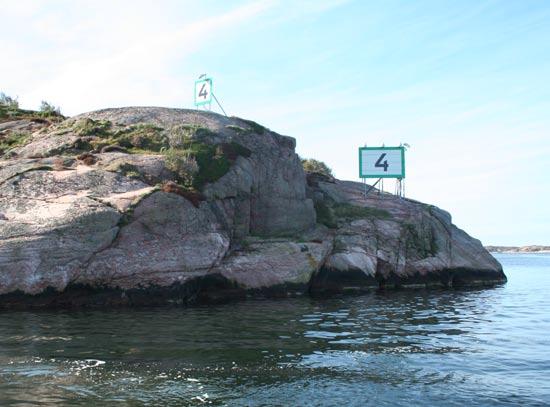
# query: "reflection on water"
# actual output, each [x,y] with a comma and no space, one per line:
[477,347]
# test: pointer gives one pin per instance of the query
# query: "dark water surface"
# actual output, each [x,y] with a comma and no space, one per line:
[477,347]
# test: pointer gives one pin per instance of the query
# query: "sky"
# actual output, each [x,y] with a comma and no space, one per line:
[465,83]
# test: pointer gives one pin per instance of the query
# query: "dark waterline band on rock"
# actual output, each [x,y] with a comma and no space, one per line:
[215,289]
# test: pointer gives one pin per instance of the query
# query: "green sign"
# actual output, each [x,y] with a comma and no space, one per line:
[203,92]
[382,162]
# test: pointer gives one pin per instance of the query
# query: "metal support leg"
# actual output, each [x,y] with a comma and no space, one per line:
[372,187]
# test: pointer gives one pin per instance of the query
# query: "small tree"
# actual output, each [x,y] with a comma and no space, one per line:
[49,110]
[8,101]
[312,165]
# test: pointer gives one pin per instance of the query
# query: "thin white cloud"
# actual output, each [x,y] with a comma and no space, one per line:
[136,70]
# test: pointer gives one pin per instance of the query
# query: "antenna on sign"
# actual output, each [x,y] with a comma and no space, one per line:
[381,189]
[363,180]
[400,182]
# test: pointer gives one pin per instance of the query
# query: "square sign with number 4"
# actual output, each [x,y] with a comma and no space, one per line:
[382,162]
[203,92]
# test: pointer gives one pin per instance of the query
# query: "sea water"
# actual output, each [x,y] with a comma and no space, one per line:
[479,347]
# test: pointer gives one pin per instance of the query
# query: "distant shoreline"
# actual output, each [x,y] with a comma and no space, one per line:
[519,249]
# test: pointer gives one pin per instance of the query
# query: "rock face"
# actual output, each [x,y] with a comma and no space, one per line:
[385,241]
[156,205]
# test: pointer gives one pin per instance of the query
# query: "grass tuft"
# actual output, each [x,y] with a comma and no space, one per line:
[90,127]
[255,127]
[197,164]
[352,212]
[12,140]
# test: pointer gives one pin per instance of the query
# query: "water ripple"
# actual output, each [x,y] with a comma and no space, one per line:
[469,347]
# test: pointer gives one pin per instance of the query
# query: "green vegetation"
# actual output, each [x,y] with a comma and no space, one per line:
[329,214]
[233,150]
[184,133]
[194,162]
[130,171]
[213,164]
[133,174]
[238,129]
[424,244]
[9,110]
[47,109]
[90,127]
[12,140]
[352,212]
[255,127]
[312,165]
[183,164]
[325,215]
[8,102]
[142,137]
[213,161]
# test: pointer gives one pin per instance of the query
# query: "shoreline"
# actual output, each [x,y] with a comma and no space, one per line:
[518,252]
[519,249]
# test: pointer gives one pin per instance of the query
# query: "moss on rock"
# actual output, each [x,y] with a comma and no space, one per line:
[90,127]
[238,129]
[351,212]
[13,139]
[185,133]
[329,213]
[255,127]
[325,215]
[419,242]
[212,163]
[196,163]
[142,136]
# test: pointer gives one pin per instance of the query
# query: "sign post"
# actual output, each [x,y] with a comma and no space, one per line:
[382,162]
[203,92]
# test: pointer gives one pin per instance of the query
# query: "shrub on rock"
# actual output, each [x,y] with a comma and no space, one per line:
[312,165]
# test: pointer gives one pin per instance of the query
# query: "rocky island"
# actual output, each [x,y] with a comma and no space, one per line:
[147,205]
[519,249]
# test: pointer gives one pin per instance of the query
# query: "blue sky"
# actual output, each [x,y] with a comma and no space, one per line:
[465,83]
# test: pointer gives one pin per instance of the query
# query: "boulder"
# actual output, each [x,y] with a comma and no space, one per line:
[167,241]
[274,265]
